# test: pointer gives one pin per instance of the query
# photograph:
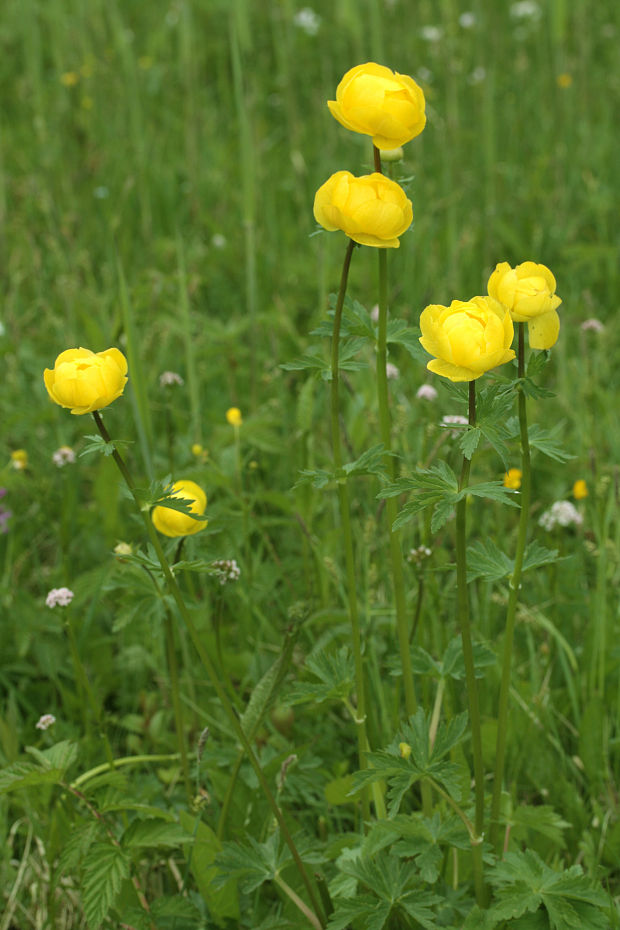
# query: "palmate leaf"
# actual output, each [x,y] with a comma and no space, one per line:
[491,490]
[486,560]
[393,890]
[546,441]
[251,863]
[400,774]
[422,839]
[524,882]
[399,333]
[335,673]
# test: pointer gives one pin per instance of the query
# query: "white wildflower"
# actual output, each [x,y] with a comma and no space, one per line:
[308,21]
[525,9]
[45,721]
[454,419]
[467,20]
[431,33]
[227,569]
[218,241]
[562,513]
[168,378]
[59,597]
[392,371]
[426,392]
[592,325]
[63,456]
[477,76]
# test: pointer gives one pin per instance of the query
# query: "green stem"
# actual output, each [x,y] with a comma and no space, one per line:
[173,671]
[347,534]
[391,503]
[85,690]
[118,763]
[511,613]
[468,655]
[210,669]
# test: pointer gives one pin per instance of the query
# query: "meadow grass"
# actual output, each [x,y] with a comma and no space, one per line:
[158,164]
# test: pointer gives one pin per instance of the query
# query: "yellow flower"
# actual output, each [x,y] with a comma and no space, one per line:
[69,78]
[468,338]
[512,478]
[233,416]
[85,381]
[197,449]
[19,459]
[172,522]
[580,489]
[564,80]
[381,103]
[528,291]
[371,210]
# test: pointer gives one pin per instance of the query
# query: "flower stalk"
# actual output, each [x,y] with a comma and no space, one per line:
[511,612]
[359,716]
[468,655]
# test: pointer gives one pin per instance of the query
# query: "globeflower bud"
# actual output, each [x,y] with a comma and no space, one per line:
[84,381]
[173,522]
[372,209]
[468,338]
[528,292]
[381,103]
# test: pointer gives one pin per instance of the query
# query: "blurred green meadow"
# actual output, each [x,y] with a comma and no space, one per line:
[158,163]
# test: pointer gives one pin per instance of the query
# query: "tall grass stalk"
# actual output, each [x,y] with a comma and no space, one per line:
[211,671]
[514,584]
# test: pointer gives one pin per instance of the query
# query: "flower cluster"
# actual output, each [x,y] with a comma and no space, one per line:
[562,513]
[372,209]
[227,570]
[59,597]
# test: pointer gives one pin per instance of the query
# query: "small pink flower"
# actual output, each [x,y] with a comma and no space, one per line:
[592,325]
[426,392]
[45,721]
[59,597]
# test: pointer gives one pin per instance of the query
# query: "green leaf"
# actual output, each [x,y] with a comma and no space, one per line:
[26,775]
[105,868]
[335,674]
[77,845]
[443,511]
[398,333]
[366,906]
[308,361]
[251,863]
[96,444]
[154,832]
[370,462]
[468,443]
[486,560]
[317,477]
[223,899]
[524,882]
[401,774]
[536,555]
[491,490]
[477,919]
[60,756]
[541,819]
[268,687]
[545,440]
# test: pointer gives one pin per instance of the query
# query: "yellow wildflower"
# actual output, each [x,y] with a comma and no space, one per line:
[580,489]
[512,479]
[233,416]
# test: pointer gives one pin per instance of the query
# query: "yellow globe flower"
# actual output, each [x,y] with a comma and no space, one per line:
[528,291]
[580,489]
[84,381]
[372,209]
[233,416]
[512,478]
[172,522]
[468,338]
[381,103]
